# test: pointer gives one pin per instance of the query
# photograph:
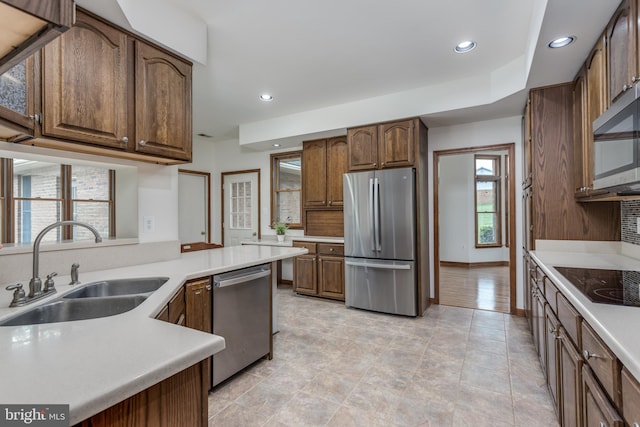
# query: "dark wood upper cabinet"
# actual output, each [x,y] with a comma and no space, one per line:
[396,147]
[314,173]
[27,25]
[337,151]
[384,145]
[105,91]
[163,104]
[363,148]
[621,58]
[324,161]
[85,85]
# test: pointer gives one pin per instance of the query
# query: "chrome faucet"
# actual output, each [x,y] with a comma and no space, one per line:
[35,285]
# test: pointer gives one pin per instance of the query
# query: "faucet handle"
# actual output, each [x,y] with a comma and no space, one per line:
[75,279]
[19,296]
[49,284]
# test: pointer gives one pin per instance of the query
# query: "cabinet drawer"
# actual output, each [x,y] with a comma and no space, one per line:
[331,249]
[550,292]
[603,362]
[177,306]
[570,319]
[630,399]
[311,246]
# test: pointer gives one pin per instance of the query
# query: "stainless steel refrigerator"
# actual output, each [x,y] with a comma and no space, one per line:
[380,240]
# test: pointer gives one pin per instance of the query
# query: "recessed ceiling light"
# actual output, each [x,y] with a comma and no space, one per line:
[562,42]
[266,97]
[276,145]
[465,46]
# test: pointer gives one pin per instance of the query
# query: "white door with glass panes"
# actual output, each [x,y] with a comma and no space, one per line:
[241,217]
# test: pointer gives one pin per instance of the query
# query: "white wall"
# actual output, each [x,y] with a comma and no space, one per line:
[480,134]
[229,156]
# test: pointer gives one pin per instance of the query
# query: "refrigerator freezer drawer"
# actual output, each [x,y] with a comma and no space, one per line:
[381,285]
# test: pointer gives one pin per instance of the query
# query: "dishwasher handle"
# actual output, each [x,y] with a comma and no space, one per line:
[241,279]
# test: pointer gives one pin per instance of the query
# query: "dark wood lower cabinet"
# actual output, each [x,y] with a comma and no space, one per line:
[552,330]
[331,276]
[597,411]
[178,401]
[305,277]
[570,375]
[321,271]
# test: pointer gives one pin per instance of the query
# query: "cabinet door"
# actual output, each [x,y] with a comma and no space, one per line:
[581,164]
[595,104]
[527,155]
[331,277]
[396,145]
[363,148]
[597,411]
[17,90]
[570,375]
[305,279]
[162,104]
[85,85]
[552,354]
[539,328]
[336,167]
[198,305]
[314,173]
[526,263]
[621,50]
[630,398]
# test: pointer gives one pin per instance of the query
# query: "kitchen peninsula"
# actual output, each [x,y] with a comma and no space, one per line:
[94,364]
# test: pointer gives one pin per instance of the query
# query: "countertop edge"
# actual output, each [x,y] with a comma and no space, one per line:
[608,325]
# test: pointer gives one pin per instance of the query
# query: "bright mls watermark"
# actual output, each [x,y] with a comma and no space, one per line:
[34,415]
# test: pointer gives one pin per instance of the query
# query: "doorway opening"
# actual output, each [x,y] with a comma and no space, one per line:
[474,228]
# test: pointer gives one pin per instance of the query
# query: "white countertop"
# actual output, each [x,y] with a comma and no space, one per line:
[616,325]
[94,364]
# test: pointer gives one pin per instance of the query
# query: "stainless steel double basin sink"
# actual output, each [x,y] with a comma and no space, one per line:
[98,299]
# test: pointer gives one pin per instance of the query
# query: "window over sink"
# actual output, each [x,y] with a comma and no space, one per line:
[36,191]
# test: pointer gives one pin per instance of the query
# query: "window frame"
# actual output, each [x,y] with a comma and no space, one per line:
[66,200]
[275,159]
[497,179]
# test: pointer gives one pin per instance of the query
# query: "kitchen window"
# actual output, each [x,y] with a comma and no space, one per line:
[488,200]
[36,194]
[286,184]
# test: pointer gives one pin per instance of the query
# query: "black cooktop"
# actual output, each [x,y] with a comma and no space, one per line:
[618,287]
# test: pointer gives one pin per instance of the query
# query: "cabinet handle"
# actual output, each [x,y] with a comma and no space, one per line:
[142,142]
[330,249]
[330,202]
[125,139]
[625,88]
[208,287]
[635,79]
[382,164]
[588,355]
[375,164]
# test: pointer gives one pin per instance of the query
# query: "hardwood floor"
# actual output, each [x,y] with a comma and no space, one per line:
[484,288]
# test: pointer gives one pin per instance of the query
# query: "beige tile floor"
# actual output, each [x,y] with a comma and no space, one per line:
[338,367]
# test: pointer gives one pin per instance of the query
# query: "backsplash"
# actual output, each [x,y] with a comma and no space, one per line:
[629,211]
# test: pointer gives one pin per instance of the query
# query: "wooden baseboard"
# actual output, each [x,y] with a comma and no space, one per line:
[520,312]
[474,264]
[285,282]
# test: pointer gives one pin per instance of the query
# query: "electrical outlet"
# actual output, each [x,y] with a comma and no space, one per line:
[149,224]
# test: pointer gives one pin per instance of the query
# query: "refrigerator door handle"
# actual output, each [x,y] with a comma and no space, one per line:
[379,265]
[376,215]
[371,215]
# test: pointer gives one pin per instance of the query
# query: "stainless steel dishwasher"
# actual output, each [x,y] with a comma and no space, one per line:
[242,315]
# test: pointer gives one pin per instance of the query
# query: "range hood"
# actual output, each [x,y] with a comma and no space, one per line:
[27,25]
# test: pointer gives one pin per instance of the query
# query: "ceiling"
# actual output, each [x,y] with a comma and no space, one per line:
[337,63]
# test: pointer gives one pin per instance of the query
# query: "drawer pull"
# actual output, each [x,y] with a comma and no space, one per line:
[588,355]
